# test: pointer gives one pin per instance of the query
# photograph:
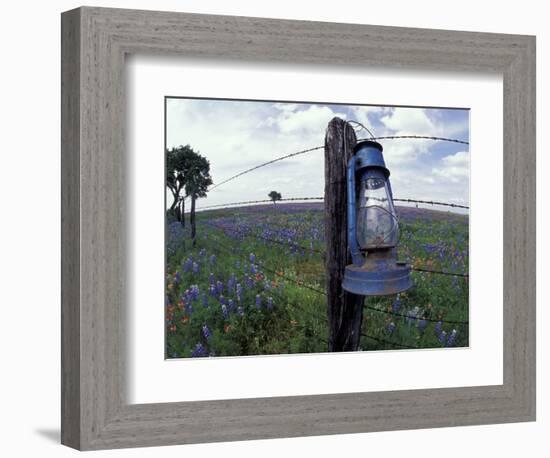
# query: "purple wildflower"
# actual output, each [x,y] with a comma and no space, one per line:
[270,303]
[240,311]
[258,301]
[225,313]
[252,258]
[206,332]
[390,327]
[194,292]
[249,282]
[437,328]
[199,351]
[422,325]
[451,340]
[396,305]
[219,287]
[212,290]
[187,265]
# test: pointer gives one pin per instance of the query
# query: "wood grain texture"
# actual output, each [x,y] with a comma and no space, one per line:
[345,310]
[95,411]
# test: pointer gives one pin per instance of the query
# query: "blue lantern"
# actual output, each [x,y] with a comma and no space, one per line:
[373,229]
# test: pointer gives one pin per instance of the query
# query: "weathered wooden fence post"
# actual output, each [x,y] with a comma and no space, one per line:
[345,310]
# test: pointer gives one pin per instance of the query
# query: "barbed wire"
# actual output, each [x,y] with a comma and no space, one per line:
[261,201]
[432,320]
[315,148]
[441,272]
[302,284]
[323,253]
[416,137]
[432,202]
[293,199]
[244,172]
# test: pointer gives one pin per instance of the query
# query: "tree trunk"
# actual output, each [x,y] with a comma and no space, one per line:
[175,202]
[181,212]
[345,310]
[193,225]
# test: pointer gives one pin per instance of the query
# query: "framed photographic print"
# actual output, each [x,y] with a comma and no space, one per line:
[307,237]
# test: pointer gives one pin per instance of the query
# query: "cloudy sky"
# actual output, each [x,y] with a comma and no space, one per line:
[237,135]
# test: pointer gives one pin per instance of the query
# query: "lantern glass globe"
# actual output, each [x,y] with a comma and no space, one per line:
[377,225]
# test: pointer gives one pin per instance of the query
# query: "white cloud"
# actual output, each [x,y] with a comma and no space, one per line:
[455,167]
[235,136]
[312,119]
[409,121]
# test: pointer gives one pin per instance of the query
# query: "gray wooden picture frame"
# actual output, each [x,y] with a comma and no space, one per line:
[95,413]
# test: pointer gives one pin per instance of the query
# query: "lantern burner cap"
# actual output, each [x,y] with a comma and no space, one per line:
[367,143]
[381,279]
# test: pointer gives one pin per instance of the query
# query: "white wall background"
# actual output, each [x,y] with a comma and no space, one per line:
[29,233]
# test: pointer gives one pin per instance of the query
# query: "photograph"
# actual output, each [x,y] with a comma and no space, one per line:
[246,228]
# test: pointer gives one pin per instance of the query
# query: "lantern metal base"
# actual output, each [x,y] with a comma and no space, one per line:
[389,278]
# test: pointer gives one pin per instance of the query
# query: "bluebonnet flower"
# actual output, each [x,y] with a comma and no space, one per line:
[442,337]
[219,287]
[252,269]
[212,279]
[213,259]
[189,309]
[396,305]
[258,301]
[249,282]
[186,296]
[422,323]
[196,267]
[206,332]
[437,328]
[451,340]
[231,282]
[270,303]
[225,312]
[252,258]
[240,311]
[230,305]
[199,351]
[222,299]
[202,252]
[204,298]
[212,290]
[267,286]
[239,289]
[390,327]
[194,292]
[412,316]
[187,265]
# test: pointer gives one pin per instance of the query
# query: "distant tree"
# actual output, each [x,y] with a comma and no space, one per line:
[178,161]
[197,181]
[275,196]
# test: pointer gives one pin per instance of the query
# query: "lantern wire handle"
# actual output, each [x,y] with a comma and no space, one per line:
[362,126]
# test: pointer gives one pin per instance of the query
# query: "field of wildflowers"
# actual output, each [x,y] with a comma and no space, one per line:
[254,284]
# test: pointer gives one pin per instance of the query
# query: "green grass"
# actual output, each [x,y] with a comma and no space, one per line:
[287,245]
